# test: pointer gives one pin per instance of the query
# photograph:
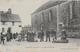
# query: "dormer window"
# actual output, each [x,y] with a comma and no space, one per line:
[13,23]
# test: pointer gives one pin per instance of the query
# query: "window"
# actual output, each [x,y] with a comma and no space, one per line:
[43,16]
[3,23]
[2,29]
[20,26]
[51,14]
[9,30]
[36,18]
[13,23]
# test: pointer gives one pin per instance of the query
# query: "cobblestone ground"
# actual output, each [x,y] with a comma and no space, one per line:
[14,46]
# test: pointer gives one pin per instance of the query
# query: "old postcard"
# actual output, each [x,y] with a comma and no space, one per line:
[39,26]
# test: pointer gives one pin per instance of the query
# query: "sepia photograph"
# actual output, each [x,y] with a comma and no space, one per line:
[39,26]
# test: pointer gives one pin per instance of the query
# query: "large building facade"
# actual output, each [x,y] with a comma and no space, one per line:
[51,14]
[9,20]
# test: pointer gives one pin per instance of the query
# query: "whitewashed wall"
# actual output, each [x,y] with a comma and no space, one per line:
[14,28]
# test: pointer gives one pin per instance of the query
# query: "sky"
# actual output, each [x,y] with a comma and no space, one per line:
[23,8]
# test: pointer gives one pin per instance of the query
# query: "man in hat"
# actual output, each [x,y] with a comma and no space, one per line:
[47,35]
[2,37]
[63,35]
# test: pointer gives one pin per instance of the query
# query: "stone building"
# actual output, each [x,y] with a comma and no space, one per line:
[9,20]
[53,13]
[26,29]
[46,16]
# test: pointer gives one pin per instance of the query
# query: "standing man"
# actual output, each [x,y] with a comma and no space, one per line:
[64,35]
[2,38]
[39,35]
[42,36]
[47,36]
[53,34]
[9,34]
[28,36]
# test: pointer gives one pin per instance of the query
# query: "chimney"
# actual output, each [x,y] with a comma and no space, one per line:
[2,13]
[9,11]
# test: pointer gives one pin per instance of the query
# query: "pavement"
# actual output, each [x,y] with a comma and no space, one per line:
[24,46]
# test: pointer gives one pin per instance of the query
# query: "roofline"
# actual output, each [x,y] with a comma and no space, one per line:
[10,21]
[46,8]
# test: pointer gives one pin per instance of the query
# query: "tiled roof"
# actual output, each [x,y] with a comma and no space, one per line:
[10,18]
[48,5]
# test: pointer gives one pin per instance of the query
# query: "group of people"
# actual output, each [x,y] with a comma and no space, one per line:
[29,36]
[7,37]
[47,35]
[40,36]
